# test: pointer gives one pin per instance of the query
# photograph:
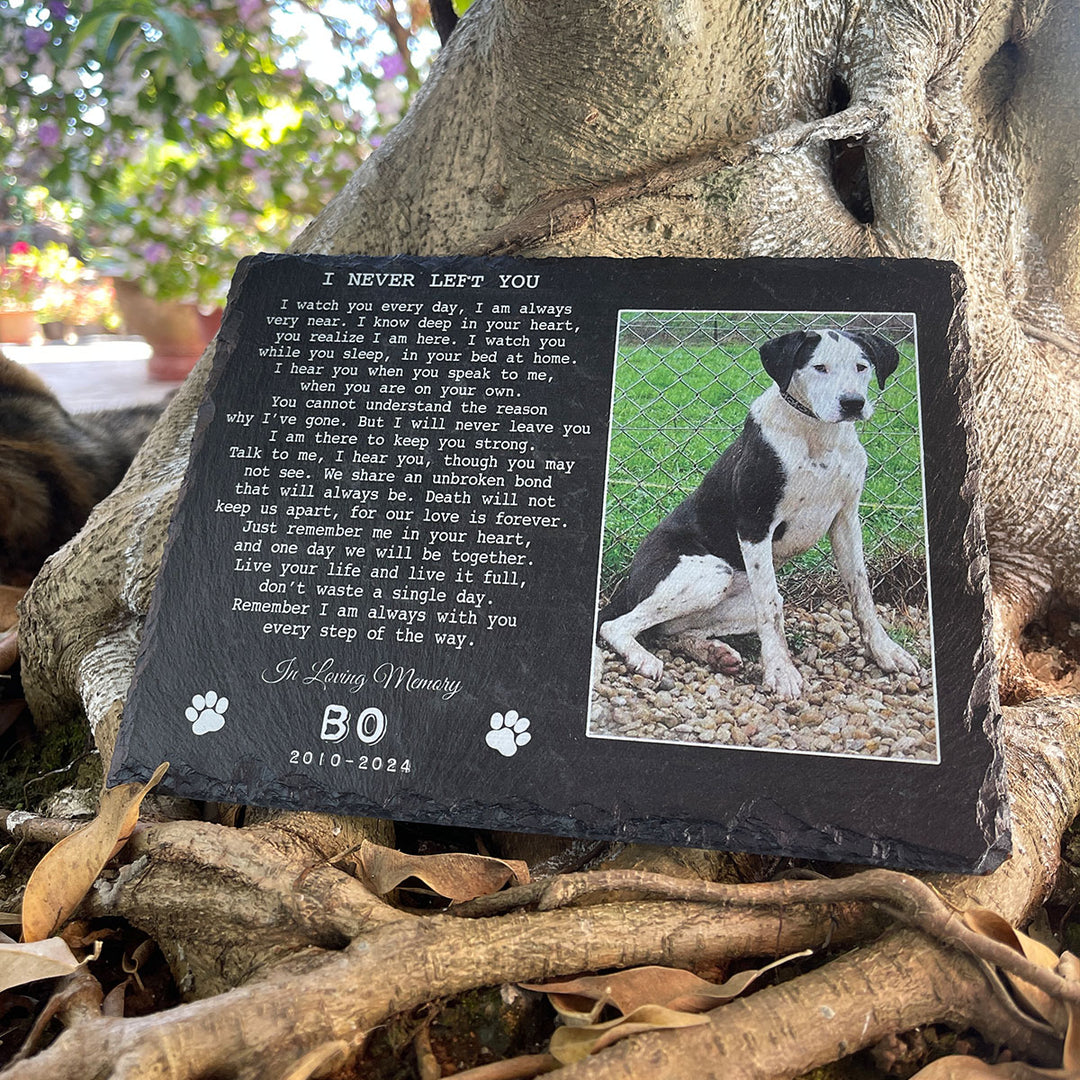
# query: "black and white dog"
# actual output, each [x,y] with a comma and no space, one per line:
[794,474]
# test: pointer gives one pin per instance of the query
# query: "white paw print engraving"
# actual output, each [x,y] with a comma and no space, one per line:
[206,712]
[508,732]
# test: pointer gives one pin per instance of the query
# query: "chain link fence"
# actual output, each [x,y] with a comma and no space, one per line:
[683,383]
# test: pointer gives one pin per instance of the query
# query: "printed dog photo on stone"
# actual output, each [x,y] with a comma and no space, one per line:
[764,575]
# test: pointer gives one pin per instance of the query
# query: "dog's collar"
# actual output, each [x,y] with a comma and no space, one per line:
[799,406]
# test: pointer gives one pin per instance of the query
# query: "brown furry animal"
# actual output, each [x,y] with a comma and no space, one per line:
[54,466]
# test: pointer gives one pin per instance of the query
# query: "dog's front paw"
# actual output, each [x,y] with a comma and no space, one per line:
[891,657]
[784,680]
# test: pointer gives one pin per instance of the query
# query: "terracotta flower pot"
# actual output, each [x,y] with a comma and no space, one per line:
[19,327]
[176,331]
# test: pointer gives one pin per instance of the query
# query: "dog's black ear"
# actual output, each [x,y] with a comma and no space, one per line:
[880,352]
[782,356]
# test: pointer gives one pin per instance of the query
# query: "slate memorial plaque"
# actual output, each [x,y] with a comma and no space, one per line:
[415,481]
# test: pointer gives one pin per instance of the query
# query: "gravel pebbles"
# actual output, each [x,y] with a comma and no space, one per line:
[848,705]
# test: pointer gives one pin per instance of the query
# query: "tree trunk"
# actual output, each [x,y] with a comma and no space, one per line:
[680,128]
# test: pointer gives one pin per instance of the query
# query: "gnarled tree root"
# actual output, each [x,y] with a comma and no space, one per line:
[897,983]
[900,981]
[396,962]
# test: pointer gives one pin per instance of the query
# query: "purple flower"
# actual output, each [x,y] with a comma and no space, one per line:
[249,159]
[48,134]
[155,252]
[58,9]
[247,9]
[35,39]
[392,66]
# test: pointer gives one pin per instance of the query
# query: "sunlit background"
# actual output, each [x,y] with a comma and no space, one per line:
[158,143]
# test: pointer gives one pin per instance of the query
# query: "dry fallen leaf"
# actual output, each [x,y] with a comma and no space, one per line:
[113,1005]
[64,875]
[575,1010]
[991,925]
[575,999]
[965,1067]
[456,875]
[651,998]
[626,990]
[77,996]
[316,1061]
[24,962]
[571,1044]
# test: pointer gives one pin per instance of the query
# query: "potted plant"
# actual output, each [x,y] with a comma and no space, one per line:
[177,331]
[74,308]
[73,299]
[169,226]
[21,288]
[177,139]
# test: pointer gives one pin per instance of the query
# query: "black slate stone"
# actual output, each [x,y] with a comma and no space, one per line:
[276,741]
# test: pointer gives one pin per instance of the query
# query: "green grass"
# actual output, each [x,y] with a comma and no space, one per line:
[676,408]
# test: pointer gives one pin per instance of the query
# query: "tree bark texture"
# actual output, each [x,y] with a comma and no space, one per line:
[929,128]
